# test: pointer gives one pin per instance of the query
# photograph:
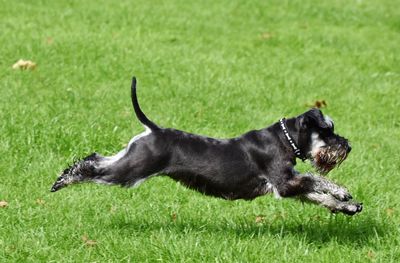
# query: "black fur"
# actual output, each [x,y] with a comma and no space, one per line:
[139,113]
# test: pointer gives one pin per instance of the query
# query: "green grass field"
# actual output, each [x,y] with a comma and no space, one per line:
[217,68]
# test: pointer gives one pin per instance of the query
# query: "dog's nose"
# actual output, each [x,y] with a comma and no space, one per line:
[348,148]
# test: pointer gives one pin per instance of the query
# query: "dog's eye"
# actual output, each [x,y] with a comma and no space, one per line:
[327,132]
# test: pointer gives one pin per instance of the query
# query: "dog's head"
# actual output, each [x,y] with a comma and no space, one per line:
[318,141]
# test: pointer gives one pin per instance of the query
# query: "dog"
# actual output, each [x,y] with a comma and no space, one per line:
[251,165]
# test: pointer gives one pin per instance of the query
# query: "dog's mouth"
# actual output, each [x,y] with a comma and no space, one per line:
[327,158]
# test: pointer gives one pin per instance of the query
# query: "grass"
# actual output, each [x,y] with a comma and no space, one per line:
[217,68]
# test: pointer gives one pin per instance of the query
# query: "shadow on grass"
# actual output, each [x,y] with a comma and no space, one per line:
[342,230]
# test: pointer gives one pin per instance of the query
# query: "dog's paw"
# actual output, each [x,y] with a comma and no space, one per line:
[60,183]
[351,208]
[342,194]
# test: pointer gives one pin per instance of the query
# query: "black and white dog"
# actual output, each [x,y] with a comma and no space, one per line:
[253,164]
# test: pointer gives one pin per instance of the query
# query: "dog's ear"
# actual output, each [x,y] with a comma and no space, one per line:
[315,117]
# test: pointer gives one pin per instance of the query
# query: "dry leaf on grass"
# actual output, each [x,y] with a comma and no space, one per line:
[318,104]
[266,35]
[3,203]
[113,209]
[260,218]
[49,40]
[389,211]
[88,241]
[40,201]
[316,218]
[24,64]
[173,216]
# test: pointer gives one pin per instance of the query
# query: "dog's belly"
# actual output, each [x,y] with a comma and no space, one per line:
[228,186]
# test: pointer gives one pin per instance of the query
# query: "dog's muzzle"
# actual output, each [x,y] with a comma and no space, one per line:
[329,157]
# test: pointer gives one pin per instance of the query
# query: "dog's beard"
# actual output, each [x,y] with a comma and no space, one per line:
[327,158]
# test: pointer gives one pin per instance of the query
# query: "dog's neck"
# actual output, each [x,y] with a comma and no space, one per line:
[287,127]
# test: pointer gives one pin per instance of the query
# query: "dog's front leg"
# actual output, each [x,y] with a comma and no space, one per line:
[323,185]
[330,202]
[317,190]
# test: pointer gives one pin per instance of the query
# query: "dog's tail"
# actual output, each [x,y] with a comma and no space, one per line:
[139,113]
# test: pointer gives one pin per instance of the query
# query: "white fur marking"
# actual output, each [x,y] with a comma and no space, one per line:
[276,193]
[138,182]
[112,159]
[328,121]
[137,137]
[100,181]
[316,143]
[271,188]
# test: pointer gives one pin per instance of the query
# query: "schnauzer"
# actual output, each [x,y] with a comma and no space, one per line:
[253,164]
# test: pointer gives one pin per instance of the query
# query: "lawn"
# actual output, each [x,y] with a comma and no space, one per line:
[217,68]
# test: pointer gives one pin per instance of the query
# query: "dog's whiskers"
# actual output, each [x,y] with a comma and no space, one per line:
[329,157]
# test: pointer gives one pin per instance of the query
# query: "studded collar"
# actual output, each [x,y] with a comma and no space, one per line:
[296,150]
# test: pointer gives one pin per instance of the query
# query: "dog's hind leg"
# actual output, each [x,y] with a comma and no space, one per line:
[127,168]
[83,170]
[93,168]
